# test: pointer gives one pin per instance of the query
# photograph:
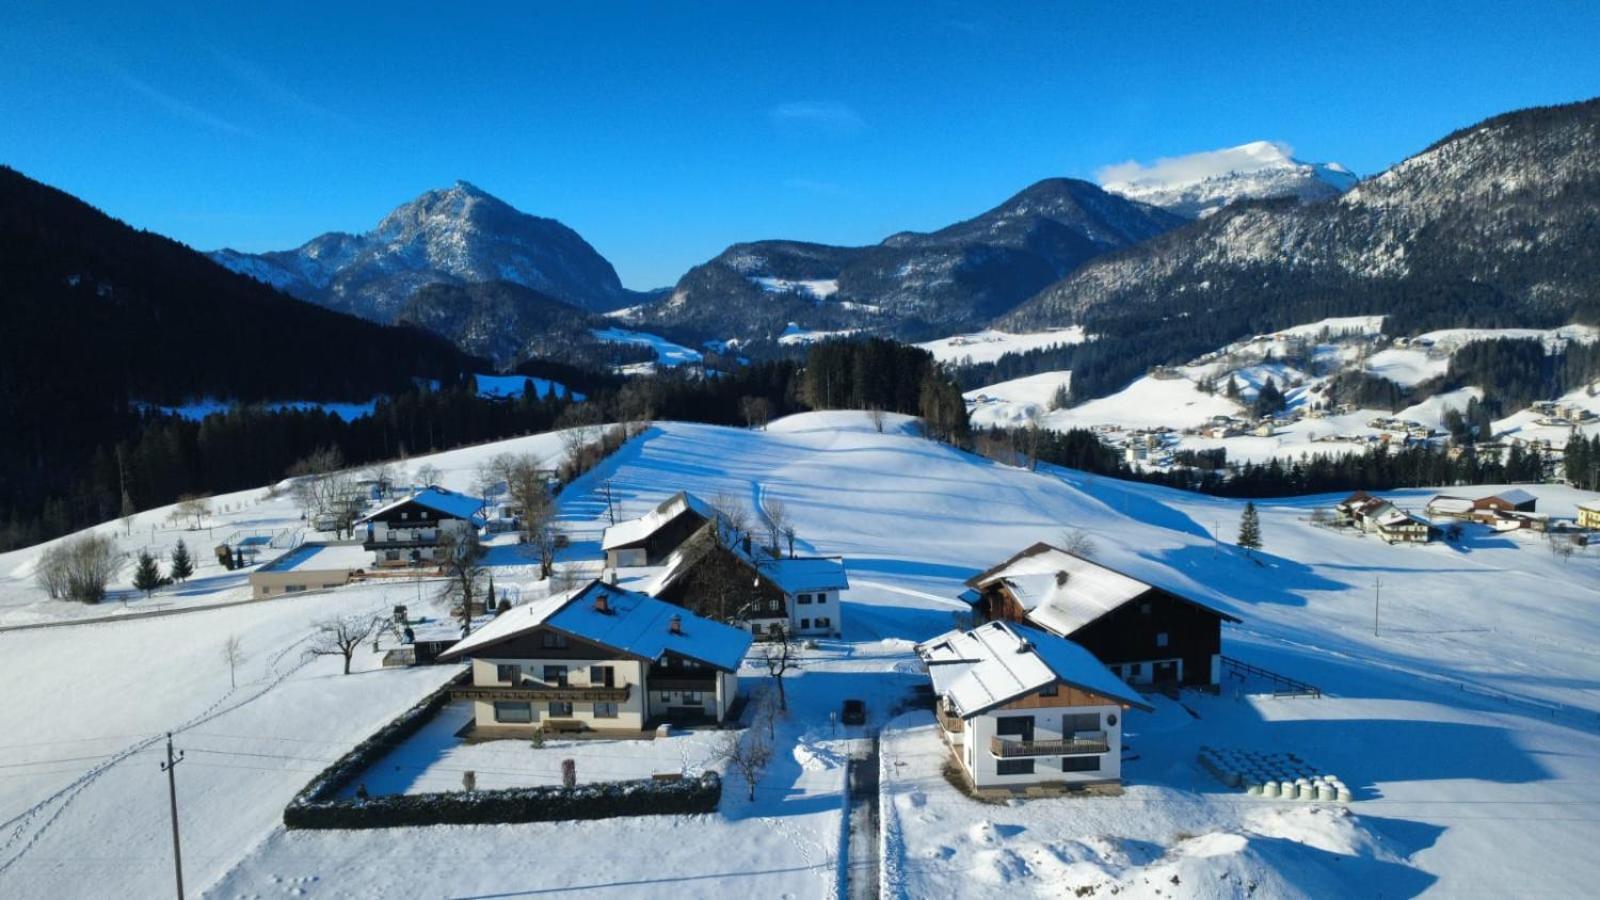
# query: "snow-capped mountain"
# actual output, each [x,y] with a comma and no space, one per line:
[1491,226]
[1199,184]
[912,284]
[456,235]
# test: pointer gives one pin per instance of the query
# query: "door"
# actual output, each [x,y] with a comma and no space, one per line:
[1165,671]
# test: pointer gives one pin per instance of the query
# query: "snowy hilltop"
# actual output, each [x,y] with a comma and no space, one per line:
[1199,184]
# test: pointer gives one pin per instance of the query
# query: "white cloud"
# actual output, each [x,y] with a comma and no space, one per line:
[1196,167]
[181,108]
[816,116]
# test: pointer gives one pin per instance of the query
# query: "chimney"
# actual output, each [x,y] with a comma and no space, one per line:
[675,624]
[1061,577]
[611,577]
[602,603]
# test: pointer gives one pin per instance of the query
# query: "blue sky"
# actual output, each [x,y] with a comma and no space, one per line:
[664,131]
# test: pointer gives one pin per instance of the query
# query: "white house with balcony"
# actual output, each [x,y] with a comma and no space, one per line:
[410,530]
[599,658]
[1020,707]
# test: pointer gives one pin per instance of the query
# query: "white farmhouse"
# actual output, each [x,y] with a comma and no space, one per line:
[599,658]
[1020,707]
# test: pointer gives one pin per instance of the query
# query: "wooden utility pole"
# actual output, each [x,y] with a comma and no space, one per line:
[172,798]
[1377,595]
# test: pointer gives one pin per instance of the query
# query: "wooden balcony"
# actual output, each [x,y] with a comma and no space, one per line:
[951,724]
[535,691]
[1082,742]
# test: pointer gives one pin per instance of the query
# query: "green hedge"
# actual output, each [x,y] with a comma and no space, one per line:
[319,805]
[536,804]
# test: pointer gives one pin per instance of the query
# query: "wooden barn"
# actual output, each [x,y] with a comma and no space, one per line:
[649,539]
[1143,633]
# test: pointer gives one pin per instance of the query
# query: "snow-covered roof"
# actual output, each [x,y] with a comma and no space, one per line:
[1590,505]
[809,573]
[1063,592]
[1393,517]
[632,623]
[457,506]
[1517,497]
[1447,504]
[633,531]
[997,662]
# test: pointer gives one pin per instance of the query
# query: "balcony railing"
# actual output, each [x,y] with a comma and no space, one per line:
[1082,742]
[559,693]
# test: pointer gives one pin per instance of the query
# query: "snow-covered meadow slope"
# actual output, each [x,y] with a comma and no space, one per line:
[1468,726]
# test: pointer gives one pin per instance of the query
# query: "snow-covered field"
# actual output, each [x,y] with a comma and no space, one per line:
[1467,725]
[988,346]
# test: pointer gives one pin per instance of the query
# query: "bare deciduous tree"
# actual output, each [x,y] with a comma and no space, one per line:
[733,519]
[1078,542]
[461,559]
[341,636]
[776,517]
[528,484]
[428,475]
[51,571]
[79,568]
[192,508]
[749,752]
[756,411]
[779,655]
[233,655]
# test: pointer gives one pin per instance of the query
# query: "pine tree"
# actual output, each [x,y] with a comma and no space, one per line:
[1250,528]
[147,577]
[182,564]
[1232,390]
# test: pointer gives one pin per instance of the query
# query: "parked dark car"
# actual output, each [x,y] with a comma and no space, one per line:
[855,712]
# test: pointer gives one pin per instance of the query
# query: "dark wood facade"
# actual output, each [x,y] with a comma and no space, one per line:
[672,534]
[717,584]
[1149,630]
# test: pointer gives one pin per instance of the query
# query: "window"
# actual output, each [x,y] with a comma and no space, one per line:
[805,598]
[692,698]
[516,713]
[1080,763]
[554,640]
[666,696]
[392,555]
[293,588]
[822,598]
[1135,670]
[508,674]
[1076,722]
[805,623]
[556,675]
[1161,639]
[605,710]
[404,516]
[1013,767]
[1014,726]
[1050,690]
[603,676]
[823,622]
[775,604]
[1144,609]
[560,709]
[755,628]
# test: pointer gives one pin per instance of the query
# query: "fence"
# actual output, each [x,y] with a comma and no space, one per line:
[1287,687]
